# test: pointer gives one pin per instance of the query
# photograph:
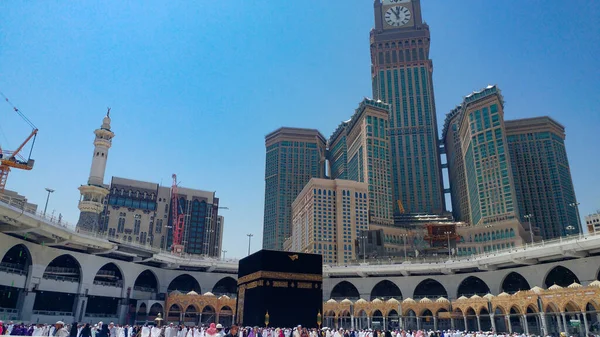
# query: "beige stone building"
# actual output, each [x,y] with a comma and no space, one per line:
[15,199]
[137,212]
[327,217]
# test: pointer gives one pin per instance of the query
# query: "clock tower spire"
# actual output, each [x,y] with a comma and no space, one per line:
[402,77]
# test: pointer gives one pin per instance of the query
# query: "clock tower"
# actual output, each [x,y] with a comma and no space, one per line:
[402,77]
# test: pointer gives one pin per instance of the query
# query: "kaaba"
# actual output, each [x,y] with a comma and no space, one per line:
[287,286]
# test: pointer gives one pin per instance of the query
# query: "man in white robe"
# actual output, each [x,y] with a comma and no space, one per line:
[155,331]
[170,331]
[145,331]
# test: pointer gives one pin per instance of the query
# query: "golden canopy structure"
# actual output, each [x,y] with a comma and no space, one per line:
[572,309]
[195,309]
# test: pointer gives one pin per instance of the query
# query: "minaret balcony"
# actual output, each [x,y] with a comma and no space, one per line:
[102,142]
[91,206]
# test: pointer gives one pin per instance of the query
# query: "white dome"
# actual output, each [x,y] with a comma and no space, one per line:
[462,298]
[393,300]
[224,297]
[503,294]
[442,300]
[409,300]
[376,301]
[346,301]
[574,285]
[361,300]
[554,287]
[209,294]
[537,290]
[425,300]
[488,296]
[594,284]
[192,293]
[475,297]
[331,300]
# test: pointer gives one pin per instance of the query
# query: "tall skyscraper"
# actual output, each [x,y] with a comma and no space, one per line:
[543,184]
[293,157]
[456,166]
[91,203]
[402,77]
[476,143]
[327,218]
[368,157]
[337,153]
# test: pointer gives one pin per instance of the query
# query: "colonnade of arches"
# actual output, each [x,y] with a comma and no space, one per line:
[67,269]
[196,309]
[469,286]
[574,309]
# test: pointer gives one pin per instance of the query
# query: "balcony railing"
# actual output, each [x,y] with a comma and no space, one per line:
[101,315]
[12,268]
[117,284]
[61,278]
[52,313]
[146,289]
[472,257]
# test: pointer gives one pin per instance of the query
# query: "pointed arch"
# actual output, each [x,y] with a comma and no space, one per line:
[63,268]
[514,282]
[208,314]
[385,290]
[146,281]
[561,276]
[344,290]
[184,283]
[430,288]
[109,275]
[155,309]
[17,260]
[225,286]
[472,285]
[174,313]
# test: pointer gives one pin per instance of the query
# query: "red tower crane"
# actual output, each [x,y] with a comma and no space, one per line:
[13,159]
[178,220]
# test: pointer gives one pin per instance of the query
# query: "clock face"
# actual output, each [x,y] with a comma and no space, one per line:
[397,16]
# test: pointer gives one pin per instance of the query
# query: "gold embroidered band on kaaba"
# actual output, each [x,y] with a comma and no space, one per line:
[280,276]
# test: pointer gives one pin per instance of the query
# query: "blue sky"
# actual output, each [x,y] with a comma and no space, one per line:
[195,85]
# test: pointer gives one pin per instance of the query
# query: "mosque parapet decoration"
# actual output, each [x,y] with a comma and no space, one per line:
[571,309]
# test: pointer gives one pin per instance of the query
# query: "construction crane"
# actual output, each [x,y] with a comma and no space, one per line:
[13,159]
[178,220]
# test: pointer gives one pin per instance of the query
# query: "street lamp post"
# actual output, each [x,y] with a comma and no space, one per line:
[404,238]
[576,206]
[224,252]
[49,190]
[250,235]
[449,251]
[528,217]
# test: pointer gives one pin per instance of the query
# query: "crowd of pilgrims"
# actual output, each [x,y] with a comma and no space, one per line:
[60,329]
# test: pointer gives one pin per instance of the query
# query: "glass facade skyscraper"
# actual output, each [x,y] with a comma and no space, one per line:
[543,183]
[487,164]
[337,153]
[294,156]
[402,77]
[368,147]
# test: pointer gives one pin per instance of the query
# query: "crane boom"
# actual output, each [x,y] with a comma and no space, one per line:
[13,159]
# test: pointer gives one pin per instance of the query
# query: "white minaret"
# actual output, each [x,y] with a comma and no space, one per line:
[91,203]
